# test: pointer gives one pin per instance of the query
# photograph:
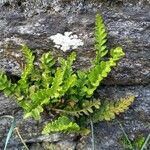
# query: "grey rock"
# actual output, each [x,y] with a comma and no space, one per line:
[30,130]
[136,121]
[33,23]
[128,25]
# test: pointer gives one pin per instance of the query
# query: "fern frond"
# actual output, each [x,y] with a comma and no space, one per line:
[35,113]
[39,96]
[66,65]
[68,83]
[28,67]
[34,106]
[63,76]
[47,63]
[57,82]
[6,85]
[46,96]
[62,124]
[3,81]
[101,70]
[87,108]
[117,53]
[100,39]
[80,84]
[110,109]
[123,104]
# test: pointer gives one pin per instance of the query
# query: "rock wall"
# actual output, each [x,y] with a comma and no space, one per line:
[128,25]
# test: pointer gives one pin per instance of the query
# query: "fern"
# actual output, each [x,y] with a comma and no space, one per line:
[6,85]
[101,68]
[47,64]
[110,109]
[62,124]
[4,82]
[28,68]
[51,94]
[100,39]
[87,108]
[64,91]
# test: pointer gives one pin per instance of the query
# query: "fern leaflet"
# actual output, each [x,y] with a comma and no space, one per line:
[62,124]
[110,109]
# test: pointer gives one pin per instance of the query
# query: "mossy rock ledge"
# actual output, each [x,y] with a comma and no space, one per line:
[128,25]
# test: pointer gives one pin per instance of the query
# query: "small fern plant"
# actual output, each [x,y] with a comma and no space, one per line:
[64,93]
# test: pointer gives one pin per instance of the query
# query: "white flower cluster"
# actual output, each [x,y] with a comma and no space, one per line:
[67,41]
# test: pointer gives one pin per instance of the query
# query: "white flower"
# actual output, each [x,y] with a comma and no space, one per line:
[67,41]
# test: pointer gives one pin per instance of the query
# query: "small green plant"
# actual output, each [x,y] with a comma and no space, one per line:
[64,92]
[139,143]
[11,130]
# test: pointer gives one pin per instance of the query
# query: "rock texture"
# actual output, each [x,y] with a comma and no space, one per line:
[128,25]
[136,121]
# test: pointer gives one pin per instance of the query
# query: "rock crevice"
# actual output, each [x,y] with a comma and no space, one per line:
[128,25]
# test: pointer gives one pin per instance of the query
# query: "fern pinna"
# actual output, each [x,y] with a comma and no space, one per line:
[65,92]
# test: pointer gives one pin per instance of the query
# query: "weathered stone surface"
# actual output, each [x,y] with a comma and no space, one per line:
[128,25]
[29,129]
[136,121]
[33,23]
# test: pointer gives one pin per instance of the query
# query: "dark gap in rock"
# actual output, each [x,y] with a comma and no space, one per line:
[7,4]
[19,3]
[13,78]
[119,3]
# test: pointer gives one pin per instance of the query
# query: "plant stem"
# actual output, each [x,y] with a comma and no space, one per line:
[23,142]
[9,134]
[126,136]
[92,134]
[145,143]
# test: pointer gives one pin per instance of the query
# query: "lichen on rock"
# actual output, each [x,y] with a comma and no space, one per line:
[65,42]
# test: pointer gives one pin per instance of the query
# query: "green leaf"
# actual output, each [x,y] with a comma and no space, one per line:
[35,113]
[100,39]
[28,67]
[117,53]
[62,124]
[86,109]
[109,109]
[139,142]
[47,66]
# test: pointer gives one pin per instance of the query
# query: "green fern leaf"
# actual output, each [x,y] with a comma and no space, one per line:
[35,113]
[5,85]
[66,65]
[68,83]
[100,39]
[117,53]
[47,64]
[96,75]
[87,108]
[56,85]
[3,81]
[110,109]
[100,69]
[62,124]
[63,76]
[28,68]
[40,98]
[81,84]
